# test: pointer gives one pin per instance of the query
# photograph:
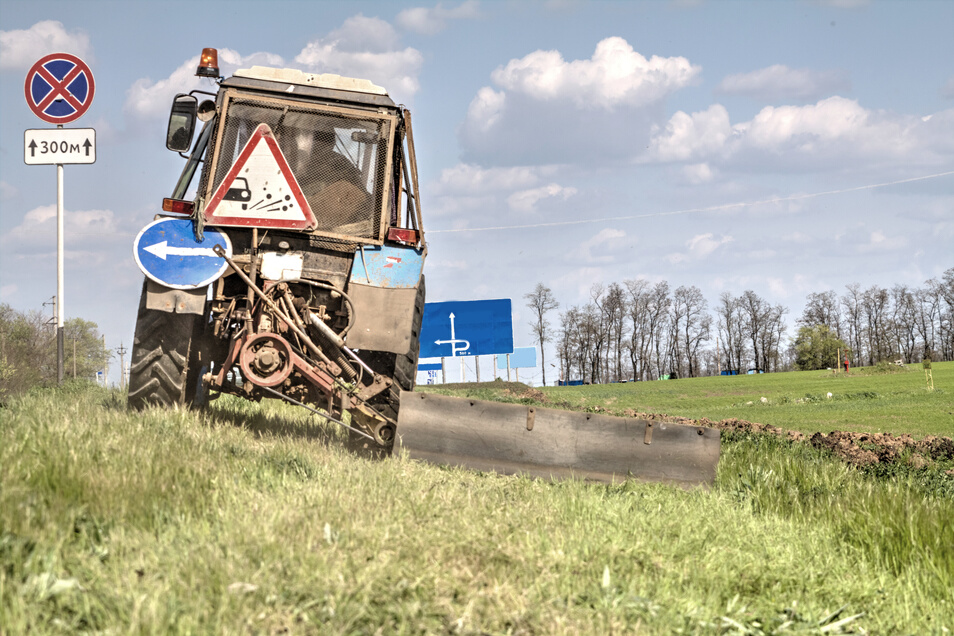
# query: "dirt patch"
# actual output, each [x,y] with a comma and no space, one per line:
[858,449]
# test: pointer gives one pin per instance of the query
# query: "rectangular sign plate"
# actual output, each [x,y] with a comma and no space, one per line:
[467,328]
[50,146]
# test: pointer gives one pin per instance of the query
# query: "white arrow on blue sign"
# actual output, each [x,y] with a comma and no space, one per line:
[167,252]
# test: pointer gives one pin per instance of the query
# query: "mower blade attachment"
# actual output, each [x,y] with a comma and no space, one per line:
[553,444]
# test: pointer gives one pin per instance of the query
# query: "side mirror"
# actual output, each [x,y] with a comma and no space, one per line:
[181,123]
[206,110]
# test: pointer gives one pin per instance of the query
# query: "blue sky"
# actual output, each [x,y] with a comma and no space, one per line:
[784,147]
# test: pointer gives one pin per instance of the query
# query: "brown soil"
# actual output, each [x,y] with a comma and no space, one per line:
[858,449]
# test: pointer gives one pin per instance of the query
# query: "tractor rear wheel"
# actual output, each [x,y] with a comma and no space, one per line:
[167,359]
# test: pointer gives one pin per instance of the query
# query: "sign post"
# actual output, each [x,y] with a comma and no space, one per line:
[59,89]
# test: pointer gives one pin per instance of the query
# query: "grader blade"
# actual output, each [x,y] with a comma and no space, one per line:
[553,444]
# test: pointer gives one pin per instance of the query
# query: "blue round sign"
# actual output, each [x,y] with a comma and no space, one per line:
[168,253]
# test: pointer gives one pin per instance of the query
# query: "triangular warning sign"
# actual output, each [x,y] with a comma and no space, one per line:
[260,190]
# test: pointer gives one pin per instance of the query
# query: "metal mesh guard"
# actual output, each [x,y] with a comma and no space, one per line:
[339,161]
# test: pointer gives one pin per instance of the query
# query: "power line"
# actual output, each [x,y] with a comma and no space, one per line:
[712,208]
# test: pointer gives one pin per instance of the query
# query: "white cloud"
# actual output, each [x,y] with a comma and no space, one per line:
[698,173]
[815,136]
[526,200]
[7,291]
[880,243]
[604,242]
[366,48]
[698,248]
[485,109]
[150,99]
[429,21]
[778,82]
[467,178]
[702,245]
[835,118]
[86,229]
[545,109]
[685,136]
[615,76]
[467,188]
[19,49]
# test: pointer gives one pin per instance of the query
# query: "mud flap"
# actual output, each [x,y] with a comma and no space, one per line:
[553,444]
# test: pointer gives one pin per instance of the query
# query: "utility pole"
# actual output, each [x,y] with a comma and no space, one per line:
[122,366]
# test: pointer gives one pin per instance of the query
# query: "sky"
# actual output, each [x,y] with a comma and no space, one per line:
[783,147]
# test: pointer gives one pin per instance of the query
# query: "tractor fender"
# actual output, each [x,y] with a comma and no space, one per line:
[175,301]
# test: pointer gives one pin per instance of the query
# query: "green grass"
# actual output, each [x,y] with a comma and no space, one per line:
[252,519]
[866,400]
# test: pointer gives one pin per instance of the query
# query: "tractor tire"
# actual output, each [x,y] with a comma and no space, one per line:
[402,369]
[167,360]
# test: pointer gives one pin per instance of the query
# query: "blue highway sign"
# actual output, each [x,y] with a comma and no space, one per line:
[167,252]
[467,328]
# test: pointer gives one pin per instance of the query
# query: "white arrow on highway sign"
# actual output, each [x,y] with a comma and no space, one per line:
[454,341]
[162,250]
[48,146]
[168,252]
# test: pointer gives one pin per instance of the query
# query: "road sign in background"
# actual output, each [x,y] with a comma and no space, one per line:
[59,145]
[467,328]
[521,358]
[167,252]
[59,88]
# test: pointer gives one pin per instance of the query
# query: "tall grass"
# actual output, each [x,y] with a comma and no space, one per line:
[251,518]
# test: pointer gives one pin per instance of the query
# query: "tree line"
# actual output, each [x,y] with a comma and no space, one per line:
[640,330]
[28,350]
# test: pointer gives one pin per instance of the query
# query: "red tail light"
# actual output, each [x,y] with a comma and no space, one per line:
[404,235]
[178,206]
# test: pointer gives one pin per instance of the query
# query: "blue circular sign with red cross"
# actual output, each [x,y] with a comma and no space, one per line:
[59,88]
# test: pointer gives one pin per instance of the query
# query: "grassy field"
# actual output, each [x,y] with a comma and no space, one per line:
[251,518]
[873,400]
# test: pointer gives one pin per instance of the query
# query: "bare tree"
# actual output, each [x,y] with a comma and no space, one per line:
[730,322]
[852,302]
[614,310]
[692,324]
[874,303]
[542,302]
[821,308]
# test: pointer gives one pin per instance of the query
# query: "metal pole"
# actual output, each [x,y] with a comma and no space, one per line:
[508,367]
[461,369]
[443,372]
[477,366]
[59,271]
[122,366]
